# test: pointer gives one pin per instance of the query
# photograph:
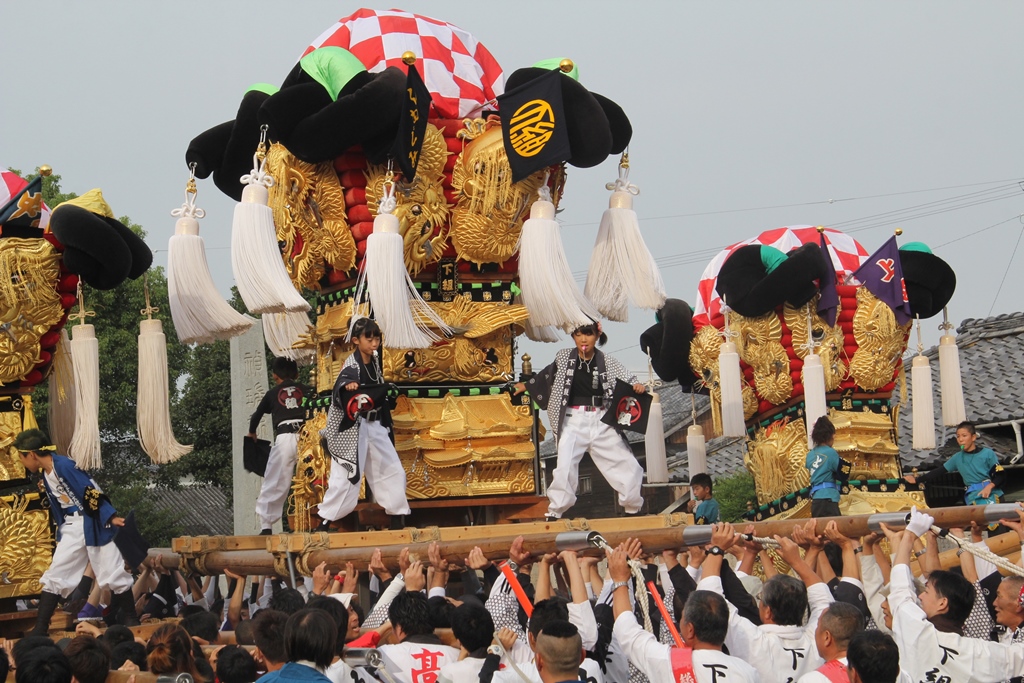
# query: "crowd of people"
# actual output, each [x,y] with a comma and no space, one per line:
[829,608]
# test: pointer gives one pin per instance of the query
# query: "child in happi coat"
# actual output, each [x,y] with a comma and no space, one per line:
[576,389]
[359,435]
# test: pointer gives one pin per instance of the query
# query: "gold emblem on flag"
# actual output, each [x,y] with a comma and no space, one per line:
[531,127]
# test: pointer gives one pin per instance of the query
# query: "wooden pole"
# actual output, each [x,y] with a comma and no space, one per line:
[495,540]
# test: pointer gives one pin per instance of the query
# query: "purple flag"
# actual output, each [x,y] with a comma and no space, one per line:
[828,299]
[882,274]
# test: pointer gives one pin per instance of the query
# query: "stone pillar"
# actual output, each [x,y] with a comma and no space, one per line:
[249,381]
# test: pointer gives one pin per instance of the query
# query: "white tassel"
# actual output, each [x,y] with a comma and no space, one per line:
[85,446]
[814,392]
[404,317]
[950,383]
[923,408]
[654,444]
[61,409]
[200,314]
[549,290]
[152,410]
[696,451]
[256,261]
[604,287]
[622,264]
[282,331]
[730,381]
[547,334]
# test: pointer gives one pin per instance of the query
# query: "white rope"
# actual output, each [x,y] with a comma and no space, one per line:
[641,585]
[765,541]
[984,553]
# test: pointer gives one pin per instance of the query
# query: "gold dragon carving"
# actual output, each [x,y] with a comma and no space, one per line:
[29,304]
[880,342]
[309,211]
[26,545]
[829,338]
[758,342]
[775,457]
[311,473]
[490,209]
[422,210]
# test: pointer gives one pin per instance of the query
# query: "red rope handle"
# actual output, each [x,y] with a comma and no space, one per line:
[524,601]
[664,615]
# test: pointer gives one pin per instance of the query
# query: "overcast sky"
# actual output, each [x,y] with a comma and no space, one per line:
[834,113]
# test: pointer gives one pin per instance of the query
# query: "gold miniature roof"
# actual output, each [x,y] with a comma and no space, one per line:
[860,421]
[479,416]
[453,457]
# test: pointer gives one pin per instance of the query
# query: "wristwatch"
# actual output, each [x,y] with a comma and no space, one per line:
[919,553]
[619,584]
[859,549]
[959,552]
[494,650]
[513,565]
[715,550]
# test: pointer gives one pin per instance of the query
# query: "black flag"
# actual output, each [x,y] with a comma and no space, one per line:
[533,125]
[412,126]
[629,410]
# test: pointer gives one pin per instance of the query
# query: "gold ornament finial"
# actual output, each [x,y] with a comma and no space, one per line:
[898,231]
[527,365]
[46,170]
[820,229]
[566,65]
[409,57]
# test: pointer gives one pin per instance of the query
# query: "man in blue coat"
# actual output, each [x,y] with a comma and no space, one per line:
[86,525]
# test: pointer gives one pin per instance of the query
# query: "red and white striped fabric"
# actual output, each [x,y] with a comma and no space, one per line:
[846,252]
[458,70]
[13,184]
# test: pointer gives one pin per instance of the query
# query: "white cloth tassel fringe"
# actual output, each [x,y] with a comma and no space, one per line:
[604,286]
[923,409]
[282,330]
[200,314]
[654,444]
[814,392]
[256,261]
[61,410]
[85,446]
[626,264]
[548,288]
[730,381]
[950,383]
[696,450]
[404,317]
[153,410]
[547,334]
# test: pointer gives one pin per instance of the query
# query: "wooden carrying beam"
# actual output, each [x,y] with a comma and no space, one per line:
[213,555]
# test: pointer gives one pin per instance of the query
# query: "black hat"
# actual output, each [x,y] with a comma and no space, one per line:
[130,542]
[667,342]
[757,278]
[629,409]
[930,281]
[255,455]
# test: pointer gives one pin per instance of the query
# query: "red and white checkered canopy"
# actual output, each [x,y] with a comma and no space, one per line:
[847,255]
[11,185]
[458,70]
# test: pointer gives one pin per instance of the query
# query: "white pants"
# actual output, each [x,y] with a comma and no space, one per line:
[277,480]
[71,557]
[383,471]
[583,432]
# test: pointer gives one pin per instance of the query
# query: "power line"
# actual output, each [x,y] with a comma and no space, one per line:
[1007,271]
[813,203]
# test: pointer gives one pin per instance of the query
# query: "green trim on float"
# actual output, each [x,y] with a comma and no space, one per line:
[332,67]
[555,64]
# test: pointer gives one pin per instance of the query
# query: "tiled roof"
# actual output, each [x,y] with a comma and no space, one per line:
[991,364]
[201,510]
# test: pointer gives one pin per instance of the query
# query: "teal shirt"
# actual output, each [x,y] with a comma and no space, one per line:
[823,464]
[974,468]
[706,512]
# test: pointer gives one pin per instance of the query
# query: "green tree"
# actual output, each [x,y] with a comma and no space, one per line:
[733,493]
